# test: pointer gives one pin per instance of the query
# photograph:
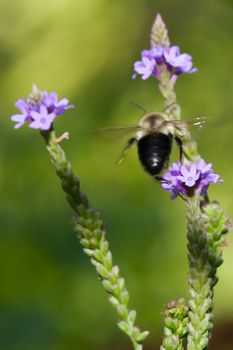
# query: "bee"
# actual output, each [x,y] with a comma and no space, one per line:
[154,136]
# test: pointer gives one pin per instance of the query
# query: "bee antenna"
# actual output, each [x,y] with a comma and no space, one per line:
[138,105]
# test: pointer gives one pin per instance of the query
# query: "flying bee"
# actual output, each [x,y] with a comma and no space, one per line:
[154,137]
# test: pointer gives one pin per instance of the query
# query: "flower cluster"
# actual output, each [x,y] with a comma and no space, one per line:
[187,180]
[40,109]
[152,60]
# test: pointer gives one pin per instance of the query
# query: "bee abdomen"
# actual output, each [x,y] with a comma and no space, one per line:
[154,151]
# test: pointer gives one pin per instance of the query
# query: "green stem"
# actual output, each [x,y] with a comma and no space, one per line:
[166,87]
[204,251]
[92,236]
[201,279]
[175,330]
[207,226]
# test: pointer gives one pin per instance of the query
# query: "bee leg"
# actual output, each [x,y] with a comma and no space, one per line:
[129,144]
[158,178]
[180,145]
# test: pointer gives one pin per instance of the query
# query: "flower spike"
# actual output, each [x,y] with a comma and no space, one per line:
[186,180]
[40,109]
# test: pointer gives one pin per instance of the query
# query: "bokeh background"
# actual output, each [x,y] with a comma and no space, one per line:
[50,297]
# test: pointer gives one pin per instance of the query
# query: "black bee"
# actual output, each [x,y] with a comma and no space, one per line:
[154,136]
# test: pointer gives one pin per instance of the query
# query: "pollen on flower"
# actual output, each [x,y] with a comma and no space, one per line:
[186,180]
[40,109]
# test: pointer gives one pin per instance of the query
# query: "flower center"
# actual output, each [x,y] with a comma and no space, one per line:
[43,120]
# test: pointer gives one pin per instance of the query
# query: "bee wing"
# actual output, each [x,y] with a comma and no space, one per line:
[197,126]
[116,132]
[200,122]
[132,141]
[196,123]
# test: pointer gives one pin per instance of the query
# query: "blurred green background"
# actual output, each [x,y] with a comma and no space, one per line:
[50,297]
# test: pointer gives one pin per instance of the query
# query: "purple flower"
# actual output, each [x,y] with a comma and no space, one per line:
[208,176]
[40,109]
[182,63]
[186,180]
[146,67]
[42,120]
[189,176]
[157,56]
[155,53]
[53,105]
[20,119]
